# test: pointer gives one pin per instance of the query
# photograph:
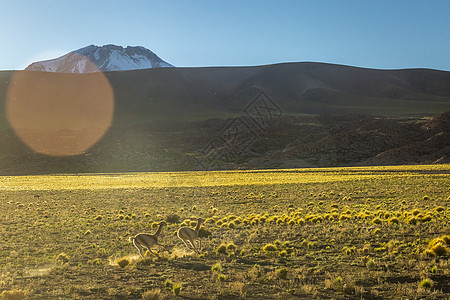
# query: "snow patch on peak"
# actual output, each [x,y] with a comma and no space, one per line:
[102,59]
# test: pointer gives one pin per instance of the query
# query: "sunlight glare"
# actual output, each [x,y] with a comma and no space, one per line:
[59,114]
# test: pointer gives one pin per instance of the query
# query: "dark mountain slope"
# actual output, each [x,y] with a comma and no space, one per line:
[185,118]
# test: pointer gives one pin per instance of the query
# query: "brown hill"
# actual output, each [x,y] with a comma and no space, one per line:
[286,115]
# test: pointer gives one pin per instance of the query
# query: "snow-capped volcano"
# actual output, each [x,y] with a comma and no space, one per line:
[101,59]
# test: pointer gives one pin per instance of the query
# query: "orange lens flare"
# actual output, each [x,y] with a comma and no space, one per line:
[59,114]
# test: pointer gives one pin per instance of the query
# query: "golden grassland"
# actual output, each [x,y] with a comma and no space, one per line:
[206,179]
[362,232]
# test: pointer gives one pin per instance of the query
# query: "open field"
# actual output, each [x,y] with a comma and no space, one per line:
[363,233]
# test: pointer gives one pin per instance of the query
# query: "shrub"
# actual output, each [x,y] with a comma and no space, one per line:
[123,262]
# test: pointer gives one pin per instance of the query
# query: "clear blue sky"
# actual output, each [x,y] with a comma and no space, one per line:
[375,34]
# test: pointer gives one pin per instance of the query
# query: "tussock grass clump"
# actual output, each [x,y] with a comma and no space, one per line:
[370,264]
[349,250]
[269,248]
[439,209]
[154,225]
[377,221]
[415,212]
[217,267]
[336,284]
[426,283]
[221,277]
[15,295]
[412,221]
[176,288]
[123,262]
[439,246]
[426,218]
[231,247]
[344,217]
[281,273]
[301,221]
[168,283]
[172,218]
[153,294]
[222,249]
[393,220]
[62,258]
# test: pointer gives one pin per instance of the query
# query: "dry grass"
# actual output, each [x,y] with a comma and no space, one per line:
[295,234]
